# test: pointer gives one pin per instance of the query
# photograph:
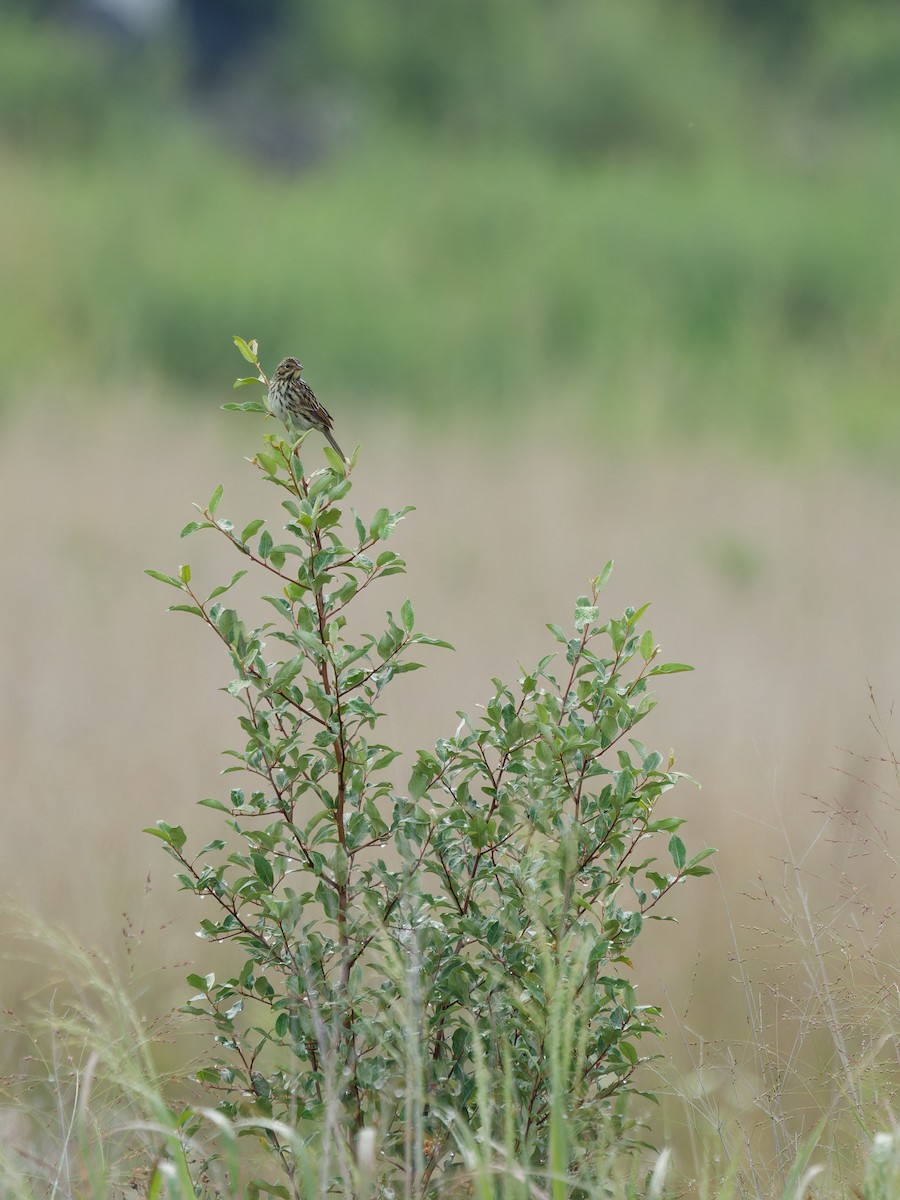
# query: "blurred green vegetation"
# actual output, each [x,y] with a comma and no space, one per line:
[661,220]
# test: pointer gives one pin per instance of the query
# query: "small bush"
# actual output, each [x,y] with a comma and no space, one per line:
[417,960]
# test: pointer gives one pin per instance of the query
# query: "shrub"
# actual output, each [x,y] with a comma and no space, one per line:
[415,960]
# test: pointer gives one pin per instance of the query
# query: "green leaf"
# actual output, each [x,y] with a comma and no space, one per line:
[646,646]
[670,669]
[188,608]
[404,668]
[215,498]
[287,671]
[175,583]
[265,545]
[419,781]
[246,381]
[193,526]
[677,850]
[421,639]
[218,591]
[668,824]
[263,869]
[628,1051]
[335,461]
[380,523]
[635,615]
[184,573]
[407,616]
[246,406]
[173,835]
[304,638]
[209,802]
[245,350]
[601,580]
[703,854]
[585,613]
[253,527]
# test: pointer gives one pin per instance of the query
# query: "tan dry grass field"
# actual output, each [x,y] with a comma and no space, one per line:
[782,589]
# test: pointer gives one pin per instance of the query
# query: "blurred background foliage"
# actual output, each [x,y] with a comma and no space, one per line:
[662,219]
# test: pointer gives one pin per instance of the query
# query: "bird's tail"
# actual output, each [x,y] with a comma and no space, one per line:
[340,452]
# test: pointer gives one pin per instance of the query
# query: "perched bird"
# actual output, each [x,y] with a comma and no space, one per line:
[293,401]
